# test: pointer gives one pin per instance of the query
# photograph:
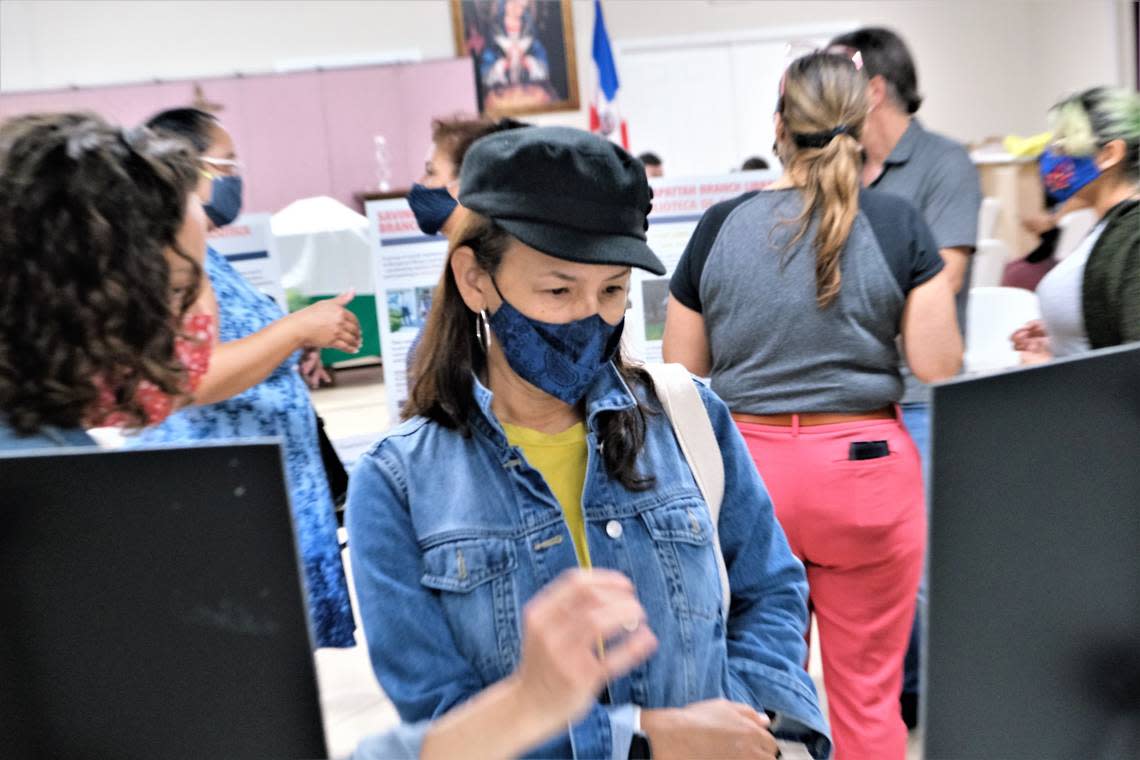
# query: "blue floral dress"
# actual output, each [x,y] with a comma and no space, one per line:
[279,406]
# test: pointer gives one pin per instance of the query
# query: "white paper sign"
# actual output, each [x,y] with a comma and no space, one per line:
[408,264]
[249,245]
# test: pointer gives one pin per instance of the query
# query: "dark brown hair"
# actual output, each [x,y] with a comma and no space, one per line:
[86,211]
[823,107]
[450,354]
[457,134]
[885,54]
[191,124]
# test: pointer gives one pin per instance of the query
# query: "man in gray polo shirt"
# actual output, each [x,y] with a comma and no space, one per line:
[936,175]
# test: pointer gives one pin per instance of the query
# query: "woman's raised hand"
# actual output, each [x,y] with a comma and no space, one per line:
[563,667]
[328,324]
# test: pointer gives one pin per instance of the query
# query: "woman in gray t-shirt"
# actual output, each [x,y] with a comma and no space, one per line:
[793,300]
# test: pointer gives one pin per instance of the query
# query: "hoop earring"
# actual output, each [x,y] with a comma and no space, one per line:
[483,331]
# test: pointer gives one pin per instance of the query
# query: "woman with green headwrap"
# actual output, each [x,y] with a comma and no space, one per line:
[1092,298]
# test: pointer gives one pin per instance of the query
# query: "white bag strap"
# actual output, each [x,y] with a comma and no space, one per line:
[682,403]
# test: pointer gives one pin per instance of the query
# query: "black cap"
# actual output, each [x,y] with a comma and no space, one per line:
[562,191]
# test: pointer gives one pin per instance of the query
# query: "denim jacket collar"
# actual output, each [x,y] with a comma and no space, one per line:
[609,393]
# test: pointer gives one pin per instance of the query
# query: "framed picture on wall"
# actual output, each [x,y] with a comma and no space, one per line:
[522,52]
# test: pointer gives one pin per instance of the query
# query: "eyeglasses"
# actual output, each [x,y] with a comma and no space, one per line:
[224,166]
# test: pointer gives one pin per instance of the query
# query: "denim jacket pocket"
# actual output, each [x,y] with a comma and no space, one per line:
[475,581]
[464,565]
[682,536]
[688,523]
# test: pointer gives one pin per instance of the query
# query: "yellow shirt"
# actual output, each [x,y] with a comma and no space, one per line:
[561,460]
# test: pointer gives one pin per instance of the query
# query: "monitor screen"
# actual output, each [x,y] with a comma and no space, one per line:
[152,607]
[1033,646]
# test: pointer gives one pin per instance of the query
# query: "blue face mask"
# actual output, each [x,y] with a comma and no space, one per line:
[432,206]
[562,360]
[1065,175]
[225,200]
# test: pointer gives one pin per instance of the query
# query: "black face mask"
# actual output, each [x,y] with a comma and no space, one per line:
[225,200]
[432,206]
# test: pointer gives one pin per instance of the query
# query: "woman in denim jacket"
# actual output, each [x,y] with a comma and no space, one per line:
[531,446]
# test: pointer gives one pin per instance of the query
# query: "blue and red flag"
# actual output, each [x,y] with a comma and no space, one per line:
[605,118]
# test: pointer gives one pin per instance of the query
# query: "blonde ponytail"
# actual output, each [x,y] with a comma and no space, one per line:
[823,108]
[831,193]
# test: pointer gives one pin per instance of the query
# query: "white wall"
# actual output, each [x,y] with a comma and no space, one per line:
[78,42]
[987,67]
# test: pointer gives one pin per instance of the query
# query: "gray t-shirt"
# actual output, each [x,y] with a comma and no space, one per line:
[936,175]
[774,351]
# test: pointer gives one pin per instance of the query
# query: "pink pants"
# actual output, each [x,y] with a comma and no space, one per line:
[860,529]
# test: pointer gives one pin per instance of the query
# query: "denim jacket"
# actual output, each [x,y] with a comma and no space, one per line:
[451,536]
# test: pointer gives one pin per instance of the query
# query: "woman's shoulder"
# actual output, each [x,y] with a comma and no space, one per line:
[1123,223]
[217,265]
[243,310]
[415,443]
[405,433]
[228,281]
[1117,248]
[714,218]
[649,396]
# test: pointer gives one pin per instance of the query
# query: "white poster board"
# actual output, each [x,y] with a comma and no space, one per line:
[408,264]
[249,245]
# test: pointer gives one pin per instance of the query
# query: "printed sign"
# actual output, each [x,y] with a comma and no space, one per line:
[249,245]
[407,265]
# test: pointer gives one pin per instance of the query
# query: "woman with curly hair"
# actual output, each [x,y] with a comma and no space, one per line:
[99,232]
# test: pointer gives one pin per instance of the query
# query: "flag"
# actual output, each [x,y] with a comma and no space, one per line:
[605,118]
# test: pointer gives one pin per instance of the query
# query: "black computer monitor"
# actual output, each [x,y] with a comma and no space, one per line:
[150,606]
[1033,646]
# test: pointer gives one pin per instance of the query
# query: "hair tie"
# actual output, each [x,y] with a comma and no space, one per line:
[819,139]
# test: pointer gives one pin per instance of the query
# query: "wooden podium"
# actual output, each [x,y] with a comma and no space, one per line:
[1017,184]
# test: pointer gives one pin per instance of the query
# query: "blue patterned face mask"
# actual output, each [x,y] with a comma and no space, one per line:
[1065,175]
[561,359]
